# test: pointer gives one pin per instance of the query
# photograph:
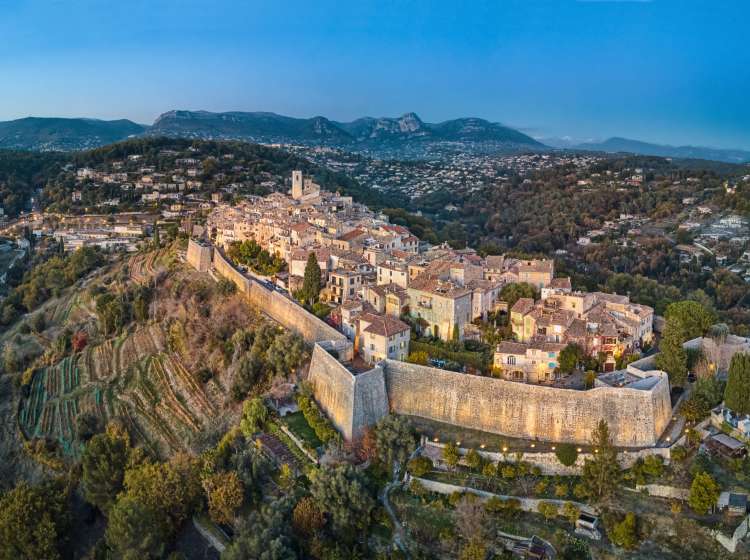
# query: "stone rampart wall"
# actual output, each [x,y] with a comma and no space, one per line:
[333,387]
[280,308]
[370,399]
[225,269]
[636,417]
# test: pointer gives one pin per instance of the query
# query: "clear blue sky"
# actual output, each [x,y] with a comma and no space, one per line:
[667,71]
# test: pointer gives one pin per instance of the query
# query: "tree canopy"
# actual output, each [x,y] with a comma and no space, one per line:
[104,461]
[311,283]
[342,493]
[33,521]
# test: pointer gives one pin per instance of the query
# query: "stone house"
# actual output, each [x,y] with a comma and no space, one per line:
[537,272]
[343,285]
[443,306]
[390,272]
[598,322]
[298,261]
[531,363]
[381,337]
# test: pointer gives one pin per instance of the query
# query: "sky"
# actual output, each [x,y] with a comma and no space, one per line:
[667,71]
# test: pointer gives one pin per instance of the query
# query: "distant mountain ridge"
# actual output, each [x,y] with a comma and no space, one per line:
[406,136]
[617,144]
[261,126]
[40,133]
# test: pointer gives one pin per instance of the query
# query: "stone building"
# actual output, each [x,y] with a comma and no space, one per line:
[381,337]
[600,323]
[529,363]
[443,307]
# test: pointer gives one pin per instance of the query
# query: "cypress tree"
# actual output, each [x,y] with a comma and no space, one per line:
[311,283]
[737,392]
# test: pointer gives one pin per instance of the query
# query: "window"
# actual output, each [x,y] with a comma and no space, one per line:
[511,360]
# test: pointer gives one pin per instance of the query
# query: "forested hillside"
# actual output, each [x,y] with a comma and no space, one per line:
[22,174]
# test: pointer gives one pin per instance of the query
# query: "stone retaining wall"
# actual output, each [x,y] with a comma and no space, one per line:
[661,491]
[732,542]
[526,504]
[547,461]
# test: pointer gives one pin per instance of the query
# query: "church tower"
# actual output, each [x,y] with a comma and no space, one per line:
[296,185]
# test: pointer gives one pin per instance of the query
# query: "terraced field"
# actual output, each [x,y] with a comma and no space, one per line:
[143,266]
[132,377]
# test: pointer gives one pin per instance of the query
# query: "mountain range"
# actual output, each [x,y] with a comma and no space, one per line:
[626,145]
[366,131]
[404,136]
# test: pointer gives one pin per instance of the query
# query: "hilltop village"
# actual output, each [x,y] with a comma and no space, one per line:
[381,282]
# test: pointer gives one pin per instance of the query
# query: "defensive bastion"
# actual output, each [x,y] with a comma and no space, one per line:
[637,414]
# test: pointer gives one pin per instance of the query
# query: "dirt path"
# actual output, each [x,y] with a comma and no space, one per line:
[399,534]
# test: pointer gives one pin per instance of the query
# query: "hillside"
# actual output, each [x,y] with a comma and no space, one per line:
[166,379]
[26,174]
[57,134]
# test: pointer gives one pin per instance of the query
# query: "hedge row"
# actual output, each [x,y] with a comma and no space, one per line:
[317,420]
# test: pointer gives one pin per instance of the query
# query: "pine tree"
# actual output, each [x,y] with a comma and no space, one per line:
[311,283]
[737,392]
[602,473]
[157,241]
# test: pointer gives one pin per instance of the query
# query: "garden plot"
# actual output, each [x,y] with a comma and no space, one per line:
[142,267]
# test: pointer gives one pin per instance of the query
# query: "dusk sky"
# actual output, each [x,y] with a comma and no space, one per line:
[665,71]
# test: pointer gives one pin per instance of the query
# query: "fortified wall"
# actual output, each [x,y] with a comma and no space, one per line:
[352,402]
[283,310]
[636,416]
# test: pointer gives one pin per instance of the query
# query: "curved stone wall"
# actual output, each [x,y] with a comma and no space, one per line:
[636,417]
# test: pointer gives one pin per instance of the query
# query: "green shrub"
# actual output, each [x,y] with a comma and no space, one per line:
[419,466]
[322,427]
[567,454]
